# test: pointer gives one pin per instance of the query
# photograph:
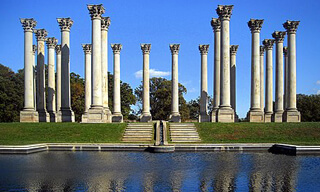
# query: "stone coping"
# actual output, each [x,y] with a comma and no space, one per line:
[227,147]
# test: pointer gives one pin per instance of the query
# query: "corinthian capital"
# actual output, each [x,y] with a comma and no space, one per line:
[224,11]
[291,26]
[96,11]
[279,36]
[204,49]
[65,23]
[51,42]
[58,49]
[87,48]
[145,48]
[285,51]
[216,24]
[255,25]
[41,34]
[268,43]
[234,49]
[174,48]
[105,23]
[262,50]
[28,24]
[116,48]
[34,49]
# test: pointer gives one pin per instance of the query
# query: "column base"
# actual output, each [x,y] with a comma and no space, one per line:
[268,117]
[255,116]
[84,118]
[29,116]
[277,116]
[214,115]
[98,115]
[107,111]
[53,116]
[204,118]
[146,117]
[66,115]
[292,116]
[175,118]
[225,115]
[117,118]
[44,116]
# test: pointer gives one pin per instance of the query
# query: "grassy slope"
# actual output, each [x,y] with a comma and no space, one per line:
[307,133]
[30,133]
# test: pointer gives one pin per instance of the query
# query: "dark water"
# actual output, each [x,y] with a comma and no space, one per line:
[123,171]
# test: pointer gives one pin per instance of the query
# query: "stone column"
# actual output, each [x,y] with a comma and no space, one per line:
[203,116]
[87,68]
[291,113]
[216,26]
[105,23]
[285,54]
[175,115]
[146,115]
[41,35]
[233,52]
[225,112]
[96,113]
[262,78]
[51,107]
[65,114]
[28,114]
[278,111]
[268,44]
[116,116]
[34,50]
[58,71]
[255,114]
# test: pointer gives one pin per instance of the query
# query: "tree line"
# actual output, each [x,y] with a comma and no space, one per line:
[12,95]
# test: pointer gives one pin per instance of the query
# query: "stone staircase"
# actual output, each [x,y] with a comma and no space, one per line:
[183,132]
[138,132]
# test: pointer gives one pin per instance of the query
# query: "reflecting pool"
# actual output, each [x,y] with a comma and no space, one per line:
[138,171]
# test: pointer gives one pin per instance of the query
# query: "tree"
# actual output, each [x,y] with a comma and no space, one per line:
[309,107]
[160,99]
[77,95]
[194,107]
[127,97]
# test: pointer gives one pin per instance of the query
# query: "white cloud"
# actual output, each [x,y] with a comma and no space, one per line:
[318,92]
[192,90]
[153,73]
[318,82]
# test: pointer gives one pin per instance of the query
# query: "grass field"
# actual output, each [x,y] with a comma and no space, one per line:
[306,133]
[31,133]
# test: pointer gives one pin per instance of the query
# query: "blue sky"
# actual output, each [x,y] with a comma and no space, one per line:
[161,22]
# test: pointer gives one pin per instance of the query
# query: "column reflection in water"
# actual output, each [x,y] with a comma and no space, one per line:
[180,171]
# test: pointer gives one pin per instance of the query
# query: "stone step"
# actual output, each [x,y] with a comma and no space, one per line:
[136,139]
[183,133]
[139,125]
[181,124]
[144,134]
[187,130]
[137,136]
[187,141]
[138,129]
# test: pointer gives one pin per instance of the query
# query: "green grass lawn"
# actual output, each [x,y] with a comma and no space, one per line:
[306,133]
[31,133]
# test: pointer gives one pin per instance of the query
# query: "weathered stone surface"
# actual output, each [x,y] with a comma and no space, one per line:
[175,115]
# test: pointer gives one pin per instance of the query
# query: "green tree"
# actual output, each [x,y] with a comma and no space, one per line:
[160,99]
[127,97]
[77,95]
[11,94]
[309,107]
[194,107]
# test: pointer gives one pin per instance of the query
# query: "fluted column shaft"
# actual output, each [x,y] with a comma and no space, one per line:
[87,57]
[262,78]
[204,84]
[58,71]
[268,43]
[146,94]
[175,83]
[255,72]
[233,52]
[34,49]
[116,79]
[105,23]
[216,25]
[51,43]
[286,79]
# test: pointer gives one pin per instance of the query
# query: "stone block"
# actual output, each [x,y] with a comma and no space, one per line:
[29,116]
[214,116]
[145,118]
[66,115]
[268,117]
[98,115]
[291,116]
[277,117]
[44,116]
[204,118]
[256,116]
[175,118]
[53,116]
[225,115]
[117,118]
